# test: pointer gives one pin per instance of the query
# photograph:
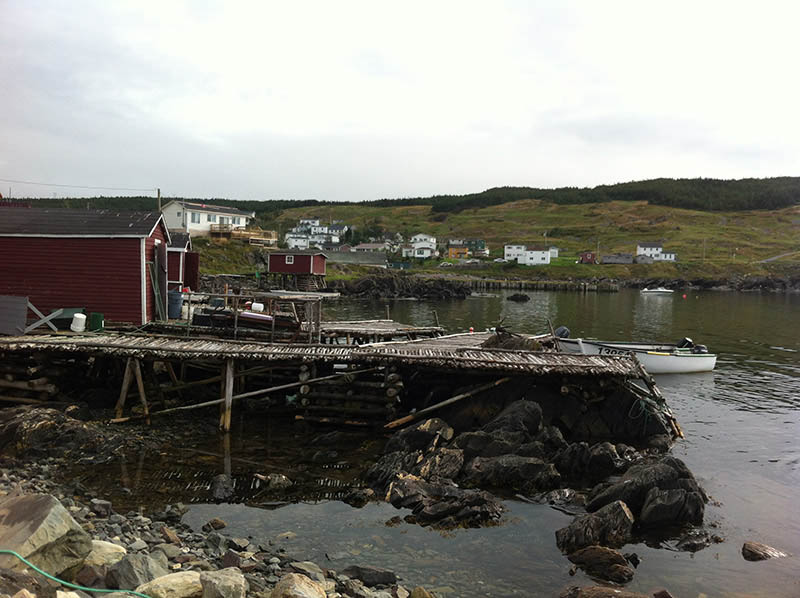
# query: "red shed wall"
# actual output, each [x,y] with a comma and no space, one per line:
[102,275]
[301,265]
[174,272]
[150,256]
[319,264]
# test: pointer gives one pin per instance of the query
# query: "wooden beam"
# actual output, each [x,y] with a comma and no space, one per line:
[229,365]
[137,372]
[415,416]
[126,383]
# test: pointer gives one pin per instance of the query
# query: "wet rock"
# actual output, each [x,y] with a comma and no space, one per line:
[214,523]
[40,529]
[505,471]
[329,439]
[696,540]
[659,442]
[519,297]
[222,487]
[231,559]
[666,473]
[603,563]
[573,460]
[358,497]
[609,526]
[309,569]
[443,503]
[552,439]
[599,592]
[216,543]
[134,570]
[104,554]
[419,436]
[668,507]
[294,585]
[440,463]
[604,461]
[278,481]
[523,417]
[371,576]
[138,544]
[420,592]
[12,582]
[170,550]
[482,444]
[531,449]
[185,584]
[226,583]
[754,551]
[23,429]
[391,465]
[91,575]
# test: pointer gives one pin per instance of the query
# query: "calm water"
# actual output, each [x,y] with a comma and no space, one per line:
[741,424]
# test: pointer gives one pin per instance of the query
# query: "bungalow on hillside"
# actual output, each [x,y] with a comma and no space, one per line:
[513,252]
[199,218]
[370,247]
[655,251]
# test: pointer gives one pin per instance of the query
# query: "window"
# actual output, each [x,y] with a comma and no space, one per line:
[224,220]
[195,217]
[211,217]
[289,259]
[237,220]
[179,214]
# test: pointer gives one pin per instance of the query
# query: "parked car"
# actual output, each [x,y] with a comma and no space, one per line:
[500,260]
[472,261]
[445,265]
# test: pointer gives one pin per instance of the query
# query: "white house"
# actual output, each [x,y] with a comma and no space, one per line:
[535,257]
[655,251]
[198,218]
[512,253]
[422,237]
[319,230]
[295,241]
[308,222]
[424,249]
[553,251]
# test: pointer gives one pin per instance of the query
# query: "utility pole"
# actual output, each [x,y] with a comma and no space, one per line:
[159,199]
[704,249]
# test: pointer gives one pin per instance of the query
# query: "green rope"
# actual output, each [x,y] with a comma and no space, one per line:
[66,583]
[643,405]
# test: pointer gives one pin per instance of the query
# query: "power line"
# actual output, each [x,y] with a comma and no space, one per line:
[76,186]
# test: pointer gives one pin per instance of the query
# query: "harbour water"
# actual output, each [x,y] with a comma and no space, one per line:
[742,424]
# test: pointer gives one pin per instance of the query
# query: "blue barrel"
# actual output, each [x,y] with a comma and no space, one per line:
[174,304]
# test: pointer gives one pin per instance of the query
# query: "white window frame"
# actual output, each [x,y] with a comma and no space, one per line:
[289,260]
[211,218]
[195,217]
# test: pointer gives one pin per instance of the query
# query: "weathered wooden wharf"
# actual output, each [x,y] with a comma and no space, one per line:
[497,284]
[368,384]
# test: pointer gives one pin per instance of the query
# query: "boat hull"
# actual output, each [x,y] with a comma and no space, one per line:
[656,359]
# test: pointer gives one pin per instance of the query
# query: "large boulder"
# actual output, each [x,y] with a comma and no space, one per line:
[44,430]
[670,507]
[371,576]
[41,530]
[134,570]
[185,584]
[12,582]
[294,585]
[572,461]
[505,471]
[521,419]
[666,473]
[483,444]
[225,583]
[419,437]
[609,526]
[604,563]
[389,466]
[440,463]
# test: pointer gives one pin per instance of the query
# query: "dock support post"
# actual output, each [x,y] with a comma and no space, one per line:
[137,372]
[126,383]
[225,419]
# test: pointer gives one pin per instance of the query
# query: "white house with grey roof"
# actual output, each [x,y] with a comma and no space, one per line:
[655,251]
[197,218]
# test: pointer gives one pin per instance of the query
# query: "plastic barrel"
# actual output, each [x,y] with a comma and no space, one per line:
[96,322]
[174,304]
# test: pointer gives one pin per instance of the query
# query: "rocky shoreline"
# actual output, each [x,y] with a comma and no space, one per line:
[616,493]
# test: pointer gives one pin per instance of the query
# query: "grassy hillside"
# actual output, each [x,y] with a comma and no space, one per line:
[730,237]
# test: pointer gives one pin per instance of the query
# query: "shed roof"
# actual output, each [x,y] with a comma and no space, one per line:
[298,252]
[180,240]
[65,222]
[650,244]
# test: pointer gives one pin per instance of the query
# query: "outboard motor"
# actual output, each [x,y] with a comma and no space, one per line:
[562,332]
[685,343]
[699,349]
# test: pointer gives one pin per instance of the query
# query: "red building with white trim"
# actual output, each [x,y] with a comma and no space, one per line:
[106,261]
[300,269]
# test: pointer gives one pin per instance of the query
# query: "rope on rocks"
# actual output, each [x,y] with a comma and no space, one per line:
[66,583]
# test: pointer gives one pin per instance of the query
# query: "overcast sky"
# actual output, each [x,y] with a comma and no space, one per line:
[352,101]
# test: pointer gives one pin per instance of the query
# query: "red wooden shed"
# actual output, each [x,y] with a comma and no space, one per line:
[301,269]
[104,260]
[183,264]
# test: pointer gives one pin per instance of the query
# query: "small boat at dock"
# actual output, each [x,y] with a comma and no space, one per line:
[684,357]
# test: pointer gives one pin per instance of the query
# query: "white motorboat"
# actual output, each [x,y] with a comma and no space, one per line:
[684,357]
[656,291]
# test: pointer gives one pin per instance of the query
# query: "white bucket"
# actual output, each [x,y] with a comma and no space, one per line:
[257,307]
[78,323]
